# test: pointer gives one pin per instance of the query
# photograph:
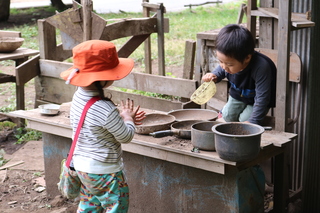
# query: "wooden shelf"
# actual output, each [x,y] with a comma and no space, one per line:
[299,20]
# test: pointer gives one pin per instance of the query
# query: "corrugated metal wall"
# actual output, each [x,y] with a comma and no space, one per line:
[300,44]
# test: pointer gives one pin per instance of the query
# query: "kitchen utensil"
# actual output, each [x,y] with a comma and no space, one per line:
[194,114]
[10,44]
[202,136]
[203,94]
[155,122]
[49,109]
[181,129]
[237,141]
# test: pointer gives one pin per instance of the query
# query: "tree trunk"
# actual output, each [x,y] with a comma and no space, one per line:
[4,10]
[58,4]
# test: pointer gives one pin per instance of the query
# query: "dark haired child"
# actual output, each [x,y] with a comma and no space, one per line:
[251,76]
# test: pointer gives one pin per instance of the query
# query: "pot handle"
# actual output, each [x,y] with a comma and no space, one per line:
[267,127]
[160,134]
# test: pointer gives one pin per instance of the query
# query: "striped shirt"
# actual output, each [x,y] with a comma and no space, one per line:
[103,129]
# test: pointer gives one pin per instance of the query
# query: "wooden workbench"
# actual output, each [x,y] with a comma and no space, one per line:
[164,171]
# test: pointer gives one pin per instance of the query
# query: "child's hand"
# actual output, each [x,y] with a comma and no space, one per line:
[209,77]
[129,114]
[140,115]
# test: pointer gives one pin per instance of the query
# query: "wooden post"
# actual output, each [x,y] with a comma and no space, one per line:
[147,44]
[281,124]
[283,65]
[251,20]
[87,19]
[189,56]
[160,25]
[47,40]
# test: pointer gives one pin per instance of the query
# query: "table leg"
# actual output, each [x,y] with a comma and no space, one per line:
[281,185]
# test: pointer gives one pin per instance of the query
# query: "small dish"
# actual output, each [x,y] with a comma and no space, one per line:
[49,109]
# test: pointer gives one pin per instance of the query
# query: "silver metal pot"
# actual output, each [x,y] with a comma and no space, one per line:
[236,141]
[202,136]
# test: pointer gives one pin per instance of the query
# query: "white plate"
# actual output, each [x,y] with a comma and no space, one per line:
[49,109]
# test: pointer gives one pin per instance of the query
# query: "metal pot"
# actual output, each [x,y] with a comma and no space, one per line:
[181,129]
[202,136]
[194,114]
[236,141]
[155,122]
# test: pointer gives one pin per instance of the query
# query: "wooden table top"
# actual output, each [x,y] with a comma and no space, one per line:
[169,148]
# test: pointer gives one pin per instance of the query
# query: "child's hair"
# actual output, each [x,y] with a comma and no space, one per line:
[235,41]
[101,93]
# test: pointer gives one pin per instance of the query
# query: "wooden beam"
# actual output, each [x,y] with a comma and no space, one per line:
[251,20]
[161,31]
[147,44]
[87,19]
[27,71]
[132,27]
[158,84]
[131,45]
[283,65]
[189,57]
[47,40]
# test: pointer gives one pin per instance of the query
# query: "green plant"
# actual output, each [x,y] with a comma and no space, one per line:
[26,134]
[7,125]
[2,159]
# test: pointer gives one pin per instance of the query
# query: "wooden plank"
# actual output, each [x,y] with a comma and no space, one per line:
[198,69]
[53,90]
[159,152]
[144,101]
[27,71]
[189,56]
[147,45]
[152,7]
[132,27]
[131,45]
[52,68]
[295,63]
[18,54]
[158,84]
[87,7]
[47,40]
[62,54]
[5,33]
[63,21]
[266,28]
[160,32]
[251,20]
[283,66]
[297,19]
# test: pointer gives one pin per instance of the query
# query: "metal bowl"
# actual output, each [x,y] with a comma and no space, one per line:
[49,109]
[10,44]
[155,122]
[194,114]
[236,141]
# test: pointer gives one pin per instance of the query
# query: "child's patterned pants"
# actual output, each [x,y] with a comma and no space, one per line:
[108,192]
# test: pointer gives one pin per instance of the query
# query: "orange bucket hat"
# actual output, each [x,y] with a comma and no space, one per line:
[96,60]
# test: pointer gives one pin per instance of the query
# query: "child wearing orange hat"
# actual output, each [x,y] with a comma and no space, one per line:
[97,157]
